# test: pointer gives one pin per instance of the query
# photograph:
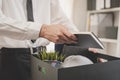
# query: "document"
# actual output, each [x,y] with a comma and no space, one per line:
[87,40]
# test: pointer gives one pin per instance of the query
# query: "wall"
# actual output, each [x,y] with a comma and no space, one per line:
[76,10]
[80,14]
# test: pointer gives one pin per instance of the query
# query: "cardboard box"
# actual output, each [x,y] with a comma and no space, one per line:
[99,71]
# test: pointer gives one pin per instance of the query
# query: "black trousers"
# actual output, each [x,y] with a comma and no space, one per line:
[15,64]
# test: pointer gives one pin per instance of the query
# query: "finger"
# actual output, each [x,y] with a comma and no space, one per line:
[60,41]
[93,50]
[66,39]
[69,35]
[100,60]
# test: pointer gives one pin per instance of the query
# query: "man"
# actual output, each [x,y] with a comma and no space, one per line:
[16,33]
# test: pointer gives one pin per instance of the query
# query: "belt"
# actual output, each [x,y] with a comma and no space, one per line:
[21,50]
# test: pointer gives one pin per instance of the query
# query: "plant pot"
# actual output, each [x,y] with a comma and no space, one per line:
[53,63]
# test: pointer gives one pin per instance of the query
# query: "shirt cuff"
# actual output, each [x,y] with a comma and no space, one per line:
[41,42]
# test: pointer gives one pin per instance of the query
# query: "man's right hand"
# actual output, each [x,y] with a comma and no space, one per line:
[57,33]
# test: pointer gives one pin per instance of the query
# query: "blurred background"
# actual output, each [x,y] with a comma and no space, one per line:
[99,16]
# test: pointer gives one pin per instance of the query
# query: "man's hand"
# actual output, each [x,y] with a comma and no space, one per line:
[57,34]
[95,51]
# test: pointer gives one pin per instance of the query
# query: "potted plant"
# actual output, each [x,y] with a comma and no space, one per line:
[53,58]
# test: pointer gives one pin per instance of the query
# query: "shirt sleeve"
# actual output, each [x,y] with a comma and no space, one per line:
[59,17]
[18,29]
[41,42]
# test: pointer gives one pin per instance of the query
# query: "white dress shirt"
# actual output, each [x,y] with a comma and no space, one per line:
[16,31]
